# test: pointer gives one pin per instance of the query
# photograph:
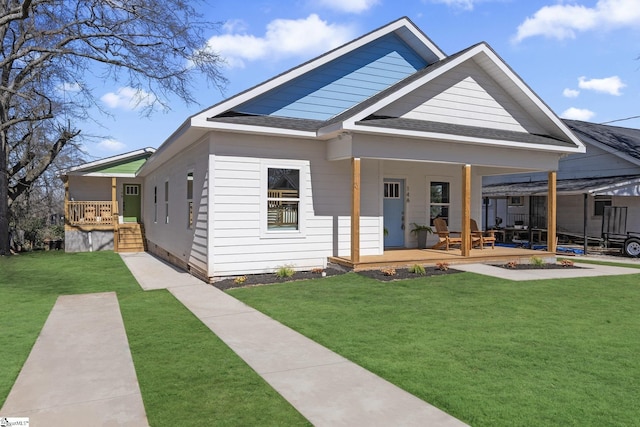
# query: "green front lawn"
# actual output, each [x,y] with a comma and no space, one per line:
[186,374]
[488,351]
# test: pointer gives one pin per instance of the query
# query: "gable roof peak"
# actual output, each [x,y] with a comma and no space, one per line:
[402,27]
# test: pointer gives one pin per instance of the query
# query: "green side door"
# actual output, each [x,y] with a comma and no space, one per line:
[131,202]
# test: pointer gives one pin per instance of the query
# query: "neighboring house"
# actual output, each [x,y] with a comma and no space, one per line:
[336,158]
[607,174]
[101,195]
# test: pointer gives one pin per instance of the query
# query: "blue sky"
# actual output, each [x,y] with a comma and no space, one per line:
[579,56]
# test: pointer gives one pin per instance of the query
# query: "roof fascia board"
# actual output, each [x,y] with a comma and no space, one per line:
[263,130]
[459,138]
[104,174]
[109,160]
[403,26]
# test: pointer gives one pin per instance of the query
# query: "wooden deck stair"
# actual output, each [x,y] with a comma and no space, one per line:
[131,238]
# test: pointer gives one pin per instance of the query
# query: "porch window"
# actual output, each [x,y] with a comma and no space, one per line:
[283,199]
[190,199]
[439,201]
[599,204]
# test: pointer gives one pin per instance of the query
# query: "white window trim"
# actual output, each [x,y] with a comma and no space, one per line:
[303,167]
[166,201]
[155,204]
[431,180]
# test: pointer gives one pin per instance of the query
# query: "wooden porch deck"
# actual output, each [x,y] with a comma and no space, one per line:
[401,258]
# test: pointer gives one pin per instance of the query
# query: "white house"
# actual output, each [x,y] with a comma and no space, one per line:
[336,158]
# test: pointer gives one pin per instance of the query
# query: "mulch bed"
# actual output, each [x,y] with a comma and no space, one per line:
[271,278]
[404,273]
[331,270]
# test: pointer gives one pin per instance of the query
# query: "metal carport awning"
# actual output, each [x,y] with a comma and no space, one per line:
[593,186]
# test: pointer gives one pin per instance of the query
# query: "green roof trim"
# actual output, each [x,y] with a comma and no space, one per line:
[127,166]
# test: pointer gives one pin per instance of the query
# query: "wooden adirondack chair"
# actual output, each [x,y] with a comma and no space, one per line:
[444,235]
[482,237]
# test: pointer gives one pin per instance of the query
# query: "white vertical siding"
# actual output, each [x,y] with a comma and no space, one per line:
[464,96]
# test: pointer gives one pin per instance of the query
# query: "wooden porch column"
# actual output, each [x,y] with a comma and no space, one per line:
[466,210]
[114,196]
[551,212]
[355,210]
[114,212]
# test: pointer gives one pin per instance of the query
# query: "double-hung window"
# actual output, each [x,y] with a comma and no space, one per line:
[283,199]
[439,201]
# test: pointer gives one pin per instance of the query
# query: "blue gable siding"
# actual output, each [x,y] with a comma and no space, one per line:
[339,85]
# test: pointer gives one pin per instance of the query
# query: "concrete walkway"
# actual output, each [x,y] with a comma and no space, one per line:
[585,270]
[323,386]
[80,371]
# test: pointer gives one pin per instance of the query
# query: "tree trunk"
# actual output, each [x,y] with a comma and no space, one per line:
[4,196]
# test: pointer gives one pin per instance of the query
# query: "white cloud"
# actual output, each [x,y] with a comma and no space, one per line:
[283,38]
[69,87]
[461,4]
[111,145]
[610,85]
[562,21]
[577,114]
[349,6]
[128,98]
[570,93]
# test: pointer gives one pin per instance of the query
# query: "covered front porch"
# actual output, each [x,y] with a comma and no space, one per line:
[403,258]
[103,204]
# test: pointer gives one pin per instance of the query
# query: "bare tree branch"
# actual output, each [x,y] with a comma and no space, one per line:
[18,11]
[151,45]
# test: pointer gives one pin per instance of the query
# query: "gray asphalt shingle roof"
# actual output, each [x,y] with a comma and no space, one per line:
[461,130]
[623,140]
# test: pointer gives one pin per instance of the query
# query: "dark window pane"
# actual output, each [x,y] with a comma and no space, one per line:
[598,208]
[439,192]
[284,179]
[282,215]
[439,212]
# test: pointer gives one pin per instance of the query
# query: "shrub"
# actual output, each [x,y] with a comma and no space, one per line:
[537,261]
[417,269]
[512,264]
[285,271]
[240,280]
